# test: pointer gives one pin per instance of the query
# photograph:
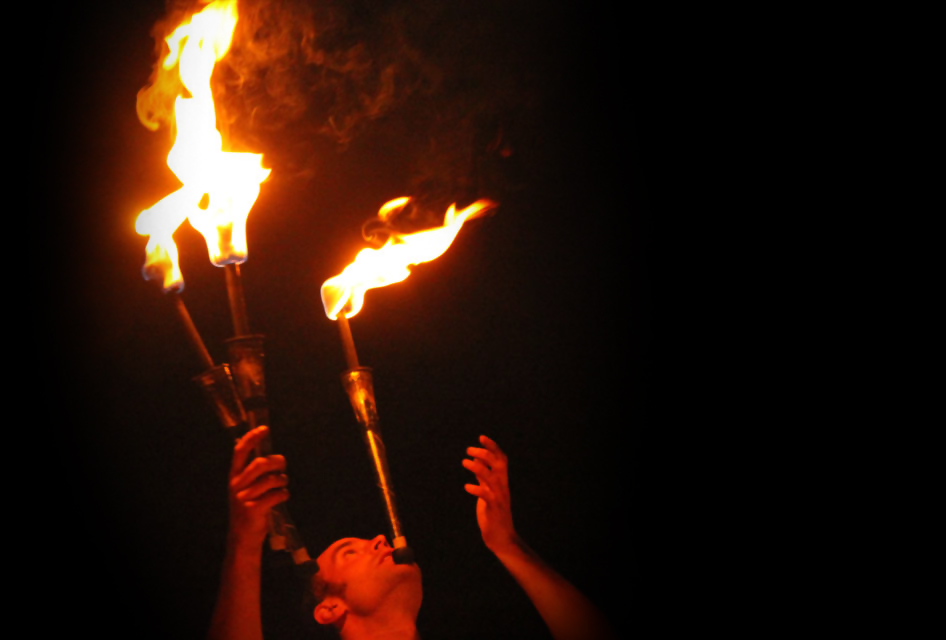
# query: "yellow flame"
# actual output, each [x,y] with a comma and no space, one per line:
[219,187]
[391,206]
[159,222]
[374,268]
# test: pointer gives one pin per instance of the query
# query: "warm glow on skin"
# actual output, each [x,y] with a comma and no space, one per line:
[374,268]
[377,591]
[219,187]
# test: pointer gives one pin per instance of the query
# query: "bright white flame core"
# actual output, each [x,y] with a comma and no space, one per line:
[226,182]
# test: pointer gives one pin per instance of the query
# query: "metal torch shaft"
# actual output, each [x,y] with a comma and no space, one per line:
[360,389]
[192,333]
[379,458]
[241,322]
[348,343]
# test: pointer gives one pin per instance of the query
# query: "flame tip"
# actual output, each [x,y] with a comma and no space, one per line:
[373,268]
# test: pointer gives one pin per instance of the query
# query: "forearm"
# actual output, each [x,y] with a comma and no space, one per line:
[236,615]
[568,614]
[257,484]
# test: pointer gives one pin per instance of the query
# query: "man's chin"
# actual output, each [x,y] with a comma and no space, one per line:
[411,568]
[408,566]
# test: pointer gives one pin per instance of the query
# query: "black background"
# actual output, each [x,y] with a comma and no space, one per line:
[535,328]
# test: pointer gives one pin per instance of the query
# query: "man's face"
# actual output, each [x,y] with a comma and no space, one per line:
[372,580]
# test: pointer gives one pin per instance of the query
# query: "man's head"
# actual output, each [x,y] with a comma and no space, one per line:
[359,585]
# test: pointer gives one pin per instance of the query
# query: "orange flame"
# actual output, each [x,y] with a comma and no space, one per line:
[219,187]
[374,268]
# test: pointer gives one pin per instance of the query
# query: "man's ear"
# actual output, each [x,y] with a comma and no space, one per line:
[330,610]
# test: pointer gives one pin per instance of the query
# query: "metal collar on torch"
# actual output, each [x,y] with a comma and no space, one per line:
[220,390]
[225,394]
[246,361]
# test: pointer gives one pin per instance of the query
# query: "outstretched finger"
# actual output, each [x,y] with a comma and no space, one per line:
[244,448]
[476,466]
[483,455]
[490,444]
[480,470]
[480,491]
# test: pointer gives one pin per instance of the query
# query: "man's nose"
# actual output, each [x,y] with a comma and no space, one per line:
[379,541]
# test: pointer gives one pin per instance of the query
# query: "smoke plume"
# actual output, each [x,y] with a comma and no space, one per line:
[299,72]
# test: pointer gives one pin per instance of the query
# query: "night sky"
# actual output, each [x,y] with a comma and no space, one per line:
[534,328]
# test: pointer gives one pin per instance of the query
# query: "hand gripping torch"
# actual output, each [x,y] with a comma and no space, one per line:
[238,418]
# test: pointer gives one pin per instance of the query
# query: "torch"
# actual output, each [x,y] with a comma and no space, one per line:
[343,297]
[218,190]
[216,380]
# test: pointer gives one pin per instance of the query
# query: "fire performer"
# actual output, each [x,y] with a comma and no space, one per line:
[358,590]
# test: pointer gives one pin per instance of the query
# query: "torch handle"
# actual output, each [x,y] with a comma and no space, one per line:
[360,388]
[283,533]
[219,386]
[246,358]
[402,553]
[284,536]
[379,459]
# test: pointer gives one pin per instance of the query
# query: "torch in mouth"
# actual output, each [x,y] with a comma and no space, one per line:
[343,297]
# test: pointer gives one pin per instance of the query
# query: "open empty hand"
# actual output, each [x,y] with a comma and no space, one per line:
[493,511]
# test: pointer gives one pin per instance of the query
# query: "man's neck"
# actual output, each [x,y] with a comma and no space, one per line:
[380,628]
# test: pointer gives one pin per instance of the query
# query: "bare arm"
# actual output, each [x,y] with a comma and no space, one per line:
[568,614]
[254,489]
